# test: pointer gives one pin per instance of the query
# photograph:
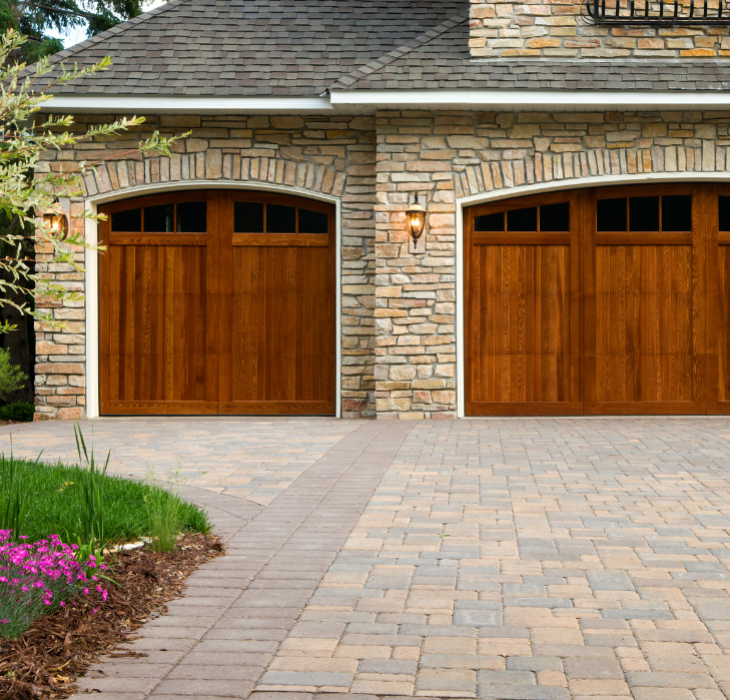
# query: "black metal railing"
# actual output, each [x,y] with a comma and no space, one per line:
[658,12]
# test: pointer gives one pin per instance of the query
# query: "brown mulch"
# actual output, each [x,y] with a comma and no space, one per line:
[45,661]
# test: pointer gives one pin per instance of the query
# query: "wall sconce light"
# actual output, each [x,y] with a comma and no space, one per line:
[57,219]
[415,220]
[58,223]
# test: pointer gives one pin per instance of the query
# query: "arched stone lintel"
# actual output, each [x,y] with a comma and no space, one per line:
[214,166]
[599,162]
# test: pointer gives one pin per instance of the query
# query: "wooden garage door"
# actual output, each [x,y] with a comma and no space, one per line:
[217,302]
[523,307]
[644,343]
[602,312]
[278,305]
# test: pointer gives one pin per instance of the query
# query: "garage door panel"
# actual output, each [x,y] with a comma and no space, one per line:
[723,320]
[184,352]
[157,317]
[278,320]
[145,297]
[521,315]
[284,293]
[644,346]
[526,313]
[643,322]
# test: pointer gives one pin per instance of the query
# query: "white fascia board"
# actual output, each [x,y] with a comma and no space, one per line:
[563,100]
[524,100]
[162,104]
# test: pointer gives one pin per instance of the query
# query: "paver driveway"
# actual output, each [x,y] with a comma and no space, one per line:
[534,559]
[254,459]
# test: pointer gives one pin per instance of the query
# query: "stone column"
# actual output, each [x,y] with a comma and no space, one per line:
[415,361]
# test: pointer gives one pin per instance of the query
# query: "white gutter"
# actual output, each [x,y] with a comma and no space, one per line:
[524,100]
[531,99]
[183,104]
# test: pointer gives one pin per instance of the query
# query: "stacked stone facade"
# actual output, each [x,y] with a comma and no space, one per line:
[330,155]
[399,341]
[453,155]
[561,29]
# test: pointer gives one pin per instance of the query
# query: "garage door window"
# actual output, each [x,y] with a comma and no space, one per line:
[183,217]
[548,217]
[644,214]
[256,217]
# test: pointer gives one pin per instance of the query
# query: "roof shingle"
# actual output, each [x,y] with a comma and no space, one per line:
[306,47]
[251,47]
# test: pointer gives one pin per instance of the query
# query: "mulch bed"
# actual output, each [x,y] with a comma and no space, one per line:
[45,661]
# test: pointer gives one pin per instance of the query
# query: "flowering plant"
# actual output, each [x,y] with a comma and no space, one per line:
[38,578]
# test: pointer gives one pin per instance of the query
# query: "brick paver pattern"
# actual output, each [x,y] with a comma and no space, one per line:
[521,559]
[531,560]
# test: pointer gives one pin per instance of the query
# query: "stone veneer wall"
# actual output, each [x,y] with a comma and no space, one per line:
[322,154]
[558,29]
[451,155]
[409,338]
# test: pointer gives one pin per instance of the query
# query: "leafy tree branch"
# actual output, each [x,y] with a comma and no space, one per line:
[28,190]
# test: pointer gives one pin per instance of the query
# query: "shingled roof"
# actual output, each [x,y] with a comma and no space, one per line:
[251,47]
[308,47]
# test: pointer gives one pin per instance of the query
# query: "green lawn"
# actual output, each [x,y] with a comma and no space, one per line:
[55,504]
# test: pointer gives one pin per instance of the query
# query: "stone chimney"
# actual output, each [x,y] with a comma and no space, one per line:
[559,29]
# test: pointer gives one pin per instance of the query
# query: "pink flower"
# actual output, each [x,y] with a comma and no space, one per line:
[36,575]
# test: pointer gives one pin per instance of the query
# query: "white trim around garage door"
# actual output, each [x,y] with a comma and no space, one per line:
[92,270]
[525,190]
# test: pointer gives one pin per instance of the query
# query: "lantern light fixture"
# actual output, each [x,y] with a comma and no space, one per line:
[416,219]
[57,222]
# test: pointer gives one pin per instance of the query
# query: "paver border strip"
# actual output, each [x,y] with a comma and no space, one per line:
[314,514]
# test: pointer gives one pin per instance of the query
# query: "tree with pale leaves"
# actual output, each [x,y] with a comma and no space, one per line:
[26,194]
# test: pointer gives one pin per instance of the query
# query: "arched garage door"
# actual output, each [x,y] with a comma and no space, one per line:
[599,301]
[217,302]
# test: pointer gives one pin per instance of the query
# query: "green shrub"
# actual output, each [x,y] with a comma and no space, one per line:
[12,377]
[21,412]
